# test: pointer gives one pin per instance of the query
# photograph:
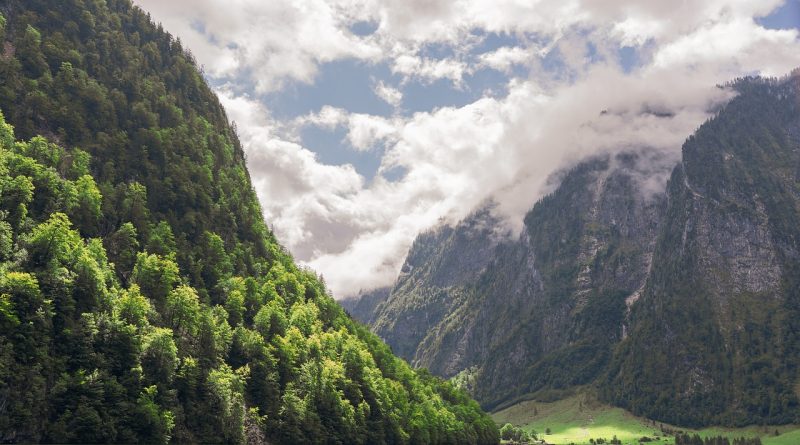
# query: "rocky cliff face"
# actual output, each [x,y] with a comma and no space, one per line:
[430,285]
[714,338]
[540,310]
[680,303]
[364,306]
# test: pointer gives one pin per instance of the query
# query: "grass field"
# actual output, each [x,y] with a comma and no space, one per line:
[581,417]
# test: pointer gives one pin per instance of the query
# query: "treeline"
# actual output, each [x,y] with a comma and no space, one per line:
[515,434]
[142,298]
[686,439]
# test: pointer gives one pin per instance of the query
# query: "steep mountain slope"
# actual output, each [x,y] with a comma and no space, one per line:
[541,311]
[715,335]
[427,290]
[142,298]
[681,305]
[364,306]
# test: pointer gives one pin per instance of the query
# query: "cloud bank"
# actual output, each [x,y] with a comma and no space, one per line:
[561,90]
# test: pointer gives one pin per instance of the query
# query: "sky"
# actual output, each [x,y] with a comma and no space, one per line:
[366,122]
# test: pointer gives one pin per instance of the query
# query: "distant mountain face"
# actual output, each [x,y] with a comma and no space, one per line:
[678,302]
[715,337]
[541,310]
[428,290]
[363,306]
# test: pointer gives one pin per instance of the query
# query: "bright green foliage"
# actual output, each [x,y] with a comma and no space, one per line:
[182,311]
[234,290]
[182,319]
[159,357]
[133,308]
[89,282]
[15,194]
[86,209]
[161,240]
[46,153]
[271,319]
[52,242]
[514,434]
[79,164]
[155,275]
[122,247]
[23,349]
[226,388]
[133,204]
[305,317]
[156,422]
[215,265]
[6,241]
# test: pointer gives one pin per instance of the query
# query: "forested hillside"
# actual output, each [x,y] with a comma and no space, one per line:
[142,298]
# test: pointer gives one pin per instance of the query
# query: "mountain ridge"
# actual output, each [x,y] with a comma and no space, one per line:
[512,282]
[607,261]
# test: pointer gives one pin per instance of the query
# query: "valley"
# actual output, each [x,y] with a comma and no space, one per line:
[676,301]
[579,417]
[337,222]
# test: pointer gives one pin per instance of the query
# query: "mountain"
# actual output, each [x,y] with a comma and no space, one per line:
[142,297]
[714,337]
[437,261]
[543,310]
[678,302]
[363,306]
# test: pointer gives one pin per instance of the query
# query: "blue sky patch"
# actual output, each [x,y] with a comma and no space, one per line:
[785,17]
[364,28]
[332,148]
[344,84]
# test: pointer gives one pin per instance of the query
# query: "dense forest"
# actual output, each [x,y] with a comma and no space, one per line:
[686,439]
[142,297]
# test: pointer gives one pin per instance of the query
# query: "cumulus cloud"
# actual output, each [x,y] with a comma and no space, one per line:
[428,69]
[577,102]
[504,58]
[388,94]
[364,131]
[269,42]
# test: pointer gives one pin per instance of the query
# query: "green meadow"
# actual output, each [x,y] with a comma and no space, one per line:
[581,417]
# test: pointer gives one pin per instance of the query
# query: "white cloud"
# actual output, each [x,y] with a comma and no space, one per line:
[270,41]
[327,117]
[428,69]
[388,94]
[275,41]
[732,44]
[364,131]
[298,193]
[504,58]
[356,232]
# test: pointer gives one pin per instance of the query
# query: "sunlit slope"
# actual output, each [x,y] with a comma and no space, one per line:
[581,417]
